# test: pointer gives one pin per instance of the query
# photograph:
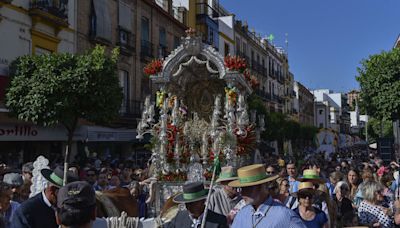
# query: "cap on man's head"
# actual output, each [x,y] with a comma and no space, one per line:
[78,194]
[13,179]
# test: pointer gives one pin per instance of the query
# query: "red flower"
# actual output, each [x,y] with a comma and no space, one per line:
[153,67]
[235,63]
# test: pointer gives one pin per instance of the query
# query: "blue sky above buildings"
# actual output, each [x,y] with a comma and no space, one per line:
[327,38]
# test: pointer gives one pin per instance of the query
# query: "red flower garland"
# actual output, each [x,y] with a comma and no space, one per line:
[153,67]
[235,63]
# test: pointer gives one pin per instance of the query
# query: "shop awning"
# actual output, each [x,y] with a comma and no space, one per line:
[105,134]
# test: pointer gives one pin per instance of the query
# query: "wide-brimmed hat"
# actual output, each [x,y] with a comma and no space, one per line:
[227,174]
[310,175]
[305,187]
[56,177]
[252,175]
[192,192]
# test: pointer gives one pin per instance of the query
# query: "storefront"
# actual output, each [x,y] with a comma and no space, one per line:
[21,142]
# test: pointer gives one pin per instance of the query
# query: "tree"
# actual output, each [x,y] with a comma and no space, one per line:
[63,88]
[379,78]
[378,128]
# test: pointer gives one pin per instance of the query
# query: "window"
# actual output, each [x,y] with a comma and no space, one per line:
[163,42]
[321,111]
[124,83]
[244,48]
[125,16]
[146,46]
[145,29]
[237,45]
[211,37]
[177,42]
[226,48]
[163,37]
[100,20]
[321,125]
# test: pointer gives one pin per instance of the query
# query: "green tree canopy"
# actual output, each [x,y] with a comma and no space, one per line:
[63,88]
[379,78]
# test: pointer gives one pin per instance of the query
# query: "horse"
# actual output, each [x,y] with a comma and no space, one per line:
[112,202]
[170,209]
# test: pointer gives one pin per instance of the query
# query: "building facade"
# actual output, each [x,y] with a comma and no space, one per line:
[339,109]
[304,104]
[266,63]
[142,29]
[31,28]
[353,98]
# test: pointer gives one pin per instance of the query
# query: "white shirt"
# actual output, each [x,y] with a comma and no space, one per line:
[46,201]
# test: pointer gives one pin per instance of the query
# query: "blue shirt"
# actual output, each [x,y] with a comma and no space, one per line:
[319,220]
[294,185]
[10,212]
[269,214]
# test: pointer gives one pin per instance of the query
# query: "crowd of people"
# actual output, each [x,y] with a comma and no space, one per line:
[350,188]
[17,209]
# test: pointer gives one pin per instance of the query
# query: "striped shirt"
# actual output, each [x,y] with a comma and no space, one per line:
[221,203]
[268,215]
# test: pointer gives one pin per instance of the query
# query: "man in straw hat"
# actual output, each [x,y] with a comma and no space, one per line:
[262,210]
[194,197]
[222,201]
[38,211]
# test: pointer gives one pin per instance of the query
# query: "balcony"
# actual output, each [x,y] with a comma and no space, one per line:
[55,12]
[163,51]
[263,94]
[131,109]
[256,67]
[243,55]
[203,9]
[146,50]
[126,42]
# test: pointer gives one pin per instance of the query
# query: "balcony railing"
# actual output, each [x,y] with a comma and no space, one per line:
[257,67]
[146,49]
[205,9]
[54,7]
[131,108]
[243,55]
[162,51]
[126,41]
[263,94]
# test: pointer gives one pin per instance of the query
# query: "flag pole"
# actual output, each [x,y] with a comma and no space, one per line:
[203,221]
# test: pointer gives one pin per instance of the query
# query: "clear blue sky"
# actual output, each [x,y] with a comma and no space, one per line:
[327,38]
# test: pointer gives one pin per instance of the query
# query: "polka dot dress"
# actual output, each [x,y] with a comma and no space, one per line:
[369,214]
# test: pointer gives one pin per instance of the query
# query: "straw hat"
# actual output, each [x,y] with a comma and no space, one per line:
[252,175]
[310,175]
[227,174]
[305,187]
